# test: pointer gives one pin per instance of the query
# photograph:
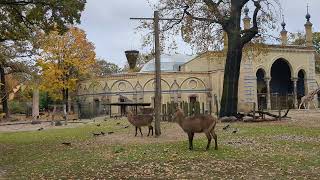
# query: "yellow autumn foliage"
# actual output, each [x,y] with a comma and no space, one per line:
[64,60]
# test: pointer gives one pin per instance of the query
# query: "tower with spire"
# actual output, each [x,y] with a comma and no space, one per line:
[308,29]
[284,32]
[246,19]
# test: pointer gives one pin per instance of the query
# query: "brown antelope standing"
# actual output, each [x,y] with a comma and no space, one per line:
[140,120]
[197,124]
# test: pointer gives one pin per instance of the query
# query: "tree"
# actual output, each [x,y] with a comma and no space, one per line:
[202,23]
[104,68]
[64,60]
[10,64]
[20,18]
[299,39]
[316,41]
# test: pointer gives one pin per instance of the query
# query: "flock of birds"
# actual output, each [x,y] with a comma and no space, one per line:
[101,133]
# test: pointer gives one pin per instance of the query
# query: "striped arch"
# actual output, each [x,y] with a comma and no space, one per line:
[193,78]
[95,87]
[162,84]
[120,81]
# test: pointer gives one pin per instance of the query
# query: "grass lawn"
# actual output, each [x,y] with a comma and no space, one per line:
[278,150]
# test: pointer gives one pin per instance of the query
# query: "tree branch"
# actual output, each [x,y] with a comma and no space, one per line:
[248,34]
[200,18]
[22,2]
[214,7]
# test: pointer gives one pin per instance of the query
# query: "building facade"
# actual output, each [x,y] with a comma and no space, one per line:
[278,75]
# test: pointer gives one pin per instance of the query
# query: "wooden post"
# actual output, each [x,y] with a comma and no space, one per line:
[157,104]
[203,111]
[280,110]
[254,111]
[110,110]
[216,104]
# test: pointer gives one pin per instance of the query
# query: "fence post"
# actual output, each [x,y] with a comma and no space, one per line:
[254,111]
[216,104]
[279,111]
[203,111]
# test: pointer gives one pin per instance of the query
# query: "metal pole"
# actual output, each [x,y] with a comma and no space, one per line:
[157,104]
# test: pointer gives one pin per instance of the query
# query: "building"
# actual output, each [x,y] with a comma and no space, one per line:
[277,76]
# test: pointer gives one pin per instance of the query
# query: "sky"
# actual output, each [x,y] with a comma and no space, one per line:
[108,26]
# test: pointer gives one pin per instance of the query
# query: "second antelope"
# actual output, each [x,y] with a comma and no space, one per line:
[197,124]
[140,120]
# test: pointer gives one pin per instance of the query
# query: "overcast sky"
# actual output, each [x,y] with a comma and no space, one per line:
[107,24]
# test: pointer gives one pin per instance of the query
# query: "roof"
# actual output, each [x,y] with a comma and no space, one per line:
[169,63]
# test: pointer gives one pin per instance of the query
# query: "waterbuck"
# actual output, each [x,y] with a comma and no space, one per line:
[140,120]
[197,124]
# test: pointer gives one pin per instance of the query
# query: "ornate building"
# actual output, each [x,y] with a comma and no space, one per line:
[278,76]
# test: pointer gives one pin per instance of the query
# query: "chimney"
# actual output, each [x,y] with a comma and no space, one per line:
[284,34]
[308,27]
[132,57]
[246,19]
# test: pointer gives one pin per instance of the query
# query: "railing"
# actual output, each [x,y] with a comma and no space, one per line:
[279,101]
[262,101]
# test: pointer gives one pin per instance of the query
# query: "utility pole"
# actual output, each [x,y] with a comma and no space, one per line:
[157,95]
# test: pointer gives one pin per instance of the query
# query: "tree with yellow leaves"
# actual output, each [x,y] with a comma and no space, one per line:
[64,60]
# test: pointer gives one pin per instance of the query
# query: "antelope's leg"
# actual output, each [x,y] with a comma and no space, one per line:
[140,131]
[136,131]
[209,139]
[150,129]
[215,137]
[190,135]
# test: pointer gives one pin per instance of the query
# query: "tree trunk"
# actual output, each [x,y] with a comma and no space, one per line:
[67,100]
[4,95]
[35,103]
[65,104]
[229,102]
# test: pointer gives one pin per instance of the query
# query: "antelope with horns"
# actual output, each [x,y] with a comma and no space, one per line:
[140,120]
[197,124]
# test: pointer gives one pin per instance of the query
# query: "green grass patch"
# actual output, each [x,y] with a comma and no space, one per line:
[256,151]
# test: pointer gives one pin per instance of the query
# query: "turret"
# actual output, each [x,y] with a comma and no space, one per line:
[284,34]
[246,19]
[308,28]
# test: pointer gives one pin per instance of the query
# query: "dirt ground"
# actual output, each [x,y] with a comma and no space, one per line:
[30,127]
[170,132]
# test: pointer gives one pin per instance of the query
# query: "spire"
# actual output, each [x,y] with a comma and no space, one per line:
[308,16]
[284,32]
[308,29]
[246,12]
[283,24]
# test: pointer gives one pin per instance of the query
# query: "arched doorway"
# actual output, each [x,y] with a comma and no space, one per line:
[301,90]
[261,89]
[281,85]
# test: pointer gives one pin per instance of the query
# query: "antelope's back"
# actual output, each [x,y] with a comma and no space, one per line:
[199,123]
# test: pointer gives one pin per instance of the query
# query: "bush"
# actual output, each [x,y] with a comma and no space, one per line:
[17,107]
